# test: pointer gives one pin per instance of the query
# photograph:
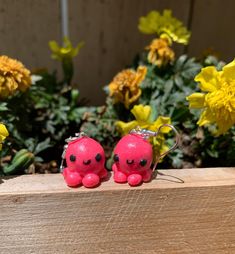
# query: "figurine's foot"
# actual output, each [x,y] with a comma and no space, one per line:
[90,180]
[147,176]
[103,173]
[120,177]
[134,179]
[72,178]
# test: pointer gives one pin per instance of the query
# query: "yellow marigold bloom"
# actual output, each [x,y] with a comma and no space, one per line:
[68,51]
[143,120]
[160,53]
[218,99]
[3,134]
[125,87]
[165,25]
[13,76]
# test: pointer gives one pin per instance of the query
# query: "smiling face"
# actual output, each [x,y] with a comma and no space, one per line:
[133,154]
[85,155]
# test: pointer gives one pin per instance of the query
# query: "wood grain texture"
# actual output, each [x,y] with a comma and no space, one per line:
[212,25]
[39,214]
[109,29]
[26,26]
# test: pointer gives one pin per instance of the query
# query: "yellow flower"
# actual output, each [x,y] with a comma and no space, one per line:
[125,86]
[164,26]
[218,99]
[143,120]
[13,76]
[68,51]
[160,53]
[3,134]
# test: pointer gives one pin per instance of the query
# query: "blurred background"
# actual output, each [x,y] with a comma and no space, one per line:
[109,29]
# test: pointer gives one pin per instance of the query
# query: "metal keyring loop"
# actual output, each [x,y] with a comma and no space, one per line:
[177,140]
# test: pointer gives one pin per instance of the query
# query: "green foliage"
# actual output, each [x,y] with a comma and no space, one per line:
[51,110]
[47,111]
[165,90]
[21,161]
[43,116]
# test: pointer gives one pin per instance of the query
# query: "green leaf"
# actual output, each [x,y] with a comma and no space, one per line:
[168,87]
[178,81]
[154,111]
[42,146]
[155,94]
[3,106]
[180,62]
[213,153]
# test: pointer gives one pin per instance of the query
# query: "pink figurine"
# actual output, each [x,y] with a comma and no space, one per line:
[132,160]
[133,156]
[85,161]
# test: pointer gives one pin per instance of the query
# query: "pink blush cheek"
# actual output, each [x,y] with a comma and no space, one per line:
[71,165]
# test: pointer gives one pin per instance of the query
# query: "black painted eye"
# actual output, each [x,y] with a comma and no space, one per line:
[72,158]
[116,158]
[143,162]
[98,157]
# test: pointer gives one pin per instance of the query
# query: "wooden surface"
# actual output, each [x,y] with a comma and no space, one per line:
[181,211]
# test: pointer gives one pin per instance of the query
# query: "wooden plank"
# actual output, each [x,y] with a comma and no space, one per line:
[109,29]
[182,211]
[212,26]
[26,26]
[171,178]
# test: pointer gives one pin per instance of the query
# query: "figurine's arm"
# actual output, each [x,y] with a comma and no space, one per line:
[118,177]
[103,173]
[114,168]
[147,175]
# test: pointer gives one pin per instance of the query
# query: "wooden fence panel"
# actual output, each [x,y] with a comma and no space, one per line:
[26,26]
[109,29]
[182,211]
[213,23]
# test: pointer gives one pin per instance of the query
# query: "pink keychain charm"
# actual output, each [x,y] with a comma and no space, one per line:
[133,156]
[85,159]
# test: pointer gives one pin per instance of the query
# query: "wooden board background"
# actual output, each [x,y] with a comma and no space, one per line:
[182,211]
[26,26]
[109,28]
[212,25]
